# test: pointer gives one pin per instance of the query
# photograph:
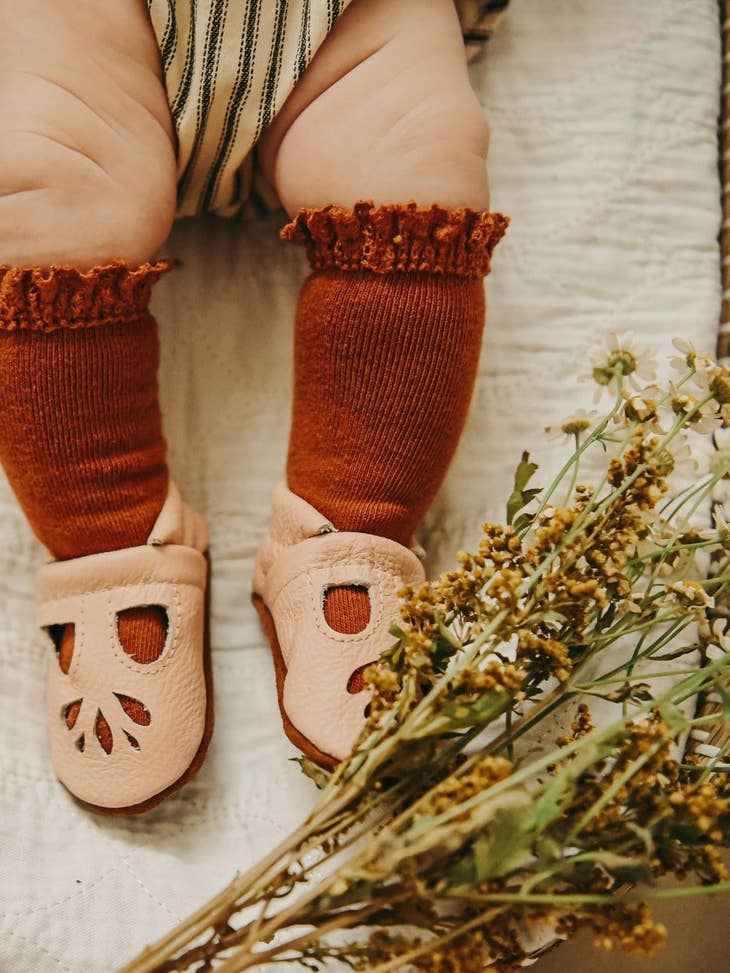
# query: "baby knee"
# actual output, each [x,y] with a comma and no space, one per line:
[85,201]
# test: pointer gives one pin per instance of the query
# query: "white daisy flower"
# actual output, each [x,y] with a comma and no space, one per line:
[575,425]
[691,594]
[722,438]
[644,407]
[631,604]
[625,355]
[716,381]
[720,462]
[677,460]
[693,359]
[702,420]
[719,516]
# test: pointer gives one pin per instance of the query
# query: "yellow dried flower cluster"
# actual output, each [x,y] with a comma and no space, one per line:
[640,471]
[630,927]
[494,946]
[703,860]
[494,676]
[719,385]
[641,408]
[581,725]
[687,818]
[706,807]
[575,425]
[460,787]
[546,656]
[640,763]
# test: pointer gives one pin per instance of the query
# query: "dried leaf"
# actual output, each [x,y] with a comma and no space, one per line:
[520,497]
[506,844]
[482,711]
[675,653]
[313,771]
[637,692]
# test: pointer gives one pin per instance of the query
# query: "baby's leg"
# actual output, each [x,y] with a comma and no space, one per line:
[87,163]
[385,111]
[389,325]
[87,177]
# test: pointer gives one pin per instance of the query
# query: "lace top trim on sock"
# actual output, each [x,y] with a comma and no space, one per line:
[34,299]
[398,237]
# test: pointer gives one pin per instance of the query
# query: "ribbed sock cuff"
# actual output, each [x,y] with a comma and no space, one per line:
[33,299]
[398,237]
[81,439]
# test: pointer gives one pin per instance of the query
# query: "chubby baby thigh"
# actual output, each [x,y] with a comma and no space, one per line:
[384,111]
[87,158]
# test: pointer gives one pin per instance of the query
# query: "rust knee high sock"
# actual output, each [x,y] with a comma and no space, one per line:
[387,339]
[81,434]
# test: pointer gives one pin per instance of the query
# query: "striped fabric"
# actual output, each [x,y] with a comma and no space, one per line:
[479,18]
[229,66]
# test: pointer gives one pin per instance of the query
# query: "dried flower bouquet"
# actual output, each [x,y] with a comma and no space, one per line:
[453,836]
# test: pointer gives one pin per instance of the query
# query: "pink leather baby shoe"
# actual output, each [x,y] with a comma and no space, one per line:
[300,557]
[125,735]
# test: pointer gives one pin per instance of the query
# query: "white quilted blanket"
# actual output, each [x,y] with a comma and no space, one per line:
[604,155]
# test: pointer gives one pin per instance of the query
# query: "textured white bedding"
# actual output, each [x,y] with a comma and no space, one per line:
[604,155]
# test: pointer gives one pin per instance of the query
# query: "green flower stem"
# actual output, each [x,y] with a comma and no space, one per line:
[377,755]
[614,634]
[576,455]
[635,656]
[707,718]
[686,495]
[650,650]
[567,864]
[576,466]
[566,692]
[584,520]
[662,553]
[590,687]
[556,698]
[637,894]
[470,655]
